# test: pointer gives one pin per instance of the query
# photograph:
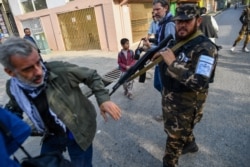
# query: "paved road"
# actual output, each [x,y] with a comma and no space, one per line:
[137,140]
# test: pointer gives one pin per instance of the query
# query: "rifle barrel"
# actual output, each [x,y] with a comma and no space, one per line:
[141,62]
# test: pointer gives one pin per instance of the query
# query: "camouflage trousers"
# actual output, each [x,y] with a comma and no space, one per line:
[181,111]
[243,32]
[127,86]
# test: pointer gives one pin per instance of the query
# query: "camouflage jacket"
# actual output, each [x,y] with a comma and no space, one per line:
[67,101]
[193,68]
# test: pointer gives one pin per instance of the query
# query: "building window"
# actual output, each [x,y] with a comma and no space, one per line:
[33,5]
[40,4]
[27,6]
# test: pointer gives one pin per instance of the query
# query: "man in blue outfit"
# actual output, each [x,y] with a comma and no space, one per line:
[20,131]
[165,27]
[153,27]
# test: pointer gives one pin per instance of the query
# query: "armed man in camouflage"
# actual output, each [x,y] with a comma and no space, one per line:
[244,31]
[186,74]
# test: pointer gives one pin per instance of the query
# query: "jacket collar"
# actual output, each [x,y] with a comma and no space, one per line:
[166,18]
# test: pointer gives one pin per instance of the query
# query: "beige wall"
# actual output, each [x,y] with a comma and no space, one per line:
[113,22]
[123,26]
[49,31]
[102,29]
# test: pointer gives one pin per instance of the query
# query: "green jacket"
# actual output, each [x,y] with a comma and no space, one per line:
[67,101]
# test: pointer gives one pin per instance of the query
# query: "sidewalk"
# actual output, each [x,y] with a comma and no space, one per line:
[102,61]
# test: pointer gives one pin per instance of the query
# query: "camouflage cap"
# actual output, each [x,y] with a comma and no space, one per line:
[187,12]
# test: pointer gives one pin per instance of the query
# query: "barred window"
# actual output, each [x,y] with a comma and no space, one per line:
[33,5]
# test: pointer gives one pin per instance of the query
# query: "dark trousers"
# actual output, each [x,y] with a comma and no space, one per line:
[79,157]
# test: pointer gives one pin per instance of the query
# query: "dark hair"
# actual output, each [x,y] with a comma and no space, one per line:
[124,40]
[203,10]
[25,29]
[163,3]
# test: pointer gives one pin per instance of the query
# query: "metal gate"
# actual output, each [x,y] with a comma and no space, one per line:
[141,17]
[79,30]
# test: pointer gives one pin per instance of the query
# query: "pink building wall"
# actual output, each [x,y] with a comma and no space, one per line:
[113,22]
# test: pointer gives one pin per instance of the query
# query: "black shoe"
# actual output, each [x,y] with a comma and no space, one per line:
[190,148]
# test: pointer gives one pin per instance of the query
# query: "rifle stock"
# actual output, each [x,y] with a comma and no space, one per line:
[141,62]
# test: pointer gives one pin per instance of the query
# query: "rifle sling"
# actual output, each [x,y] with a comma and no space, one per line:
[159,59]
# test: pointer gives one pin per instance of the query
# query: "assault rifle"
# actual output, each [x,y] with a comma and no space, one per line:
[141,62]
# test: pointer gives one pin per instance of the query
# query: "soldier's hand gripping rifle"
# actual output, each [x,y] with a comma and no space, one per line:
[140,63]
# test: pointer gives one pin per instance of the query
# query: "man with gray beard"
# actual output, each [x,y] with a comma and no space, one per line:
[49,93]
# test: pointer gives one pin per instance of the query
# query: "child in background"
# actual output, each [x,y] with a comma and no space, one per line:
[125,61]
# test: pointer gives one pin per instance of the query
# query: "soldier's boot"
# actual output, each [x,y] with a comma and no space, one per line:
[190,148]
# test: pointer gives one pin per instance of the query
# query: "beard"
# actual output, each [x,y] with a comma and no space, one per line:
[32,82]
[195,28]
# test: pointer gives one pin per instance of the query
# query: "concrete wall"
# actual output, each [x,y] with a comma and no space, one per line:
[55,3]
[15,7]
[113,21]
[123,26]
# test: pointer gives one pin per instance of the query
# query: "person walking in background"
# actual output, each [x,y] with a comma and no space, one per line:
[49,93]
[28,37]
[125,61]
[209,26]
[236,5]
[185,74]
[244,31]
[153,27]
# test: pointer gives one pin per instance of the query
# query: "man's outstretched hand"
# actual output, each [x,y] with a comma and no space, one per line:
[112,109]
